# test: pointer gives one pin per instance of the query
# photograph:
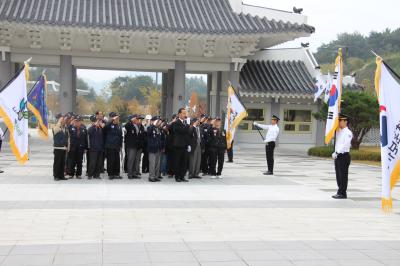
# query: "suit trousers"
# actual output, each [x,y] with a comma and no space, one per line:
[113,162]
[95,163]
[217,155]
[342,164]
[59,163]
[154,165]
[75,159]
[180,162]
[195,162]
[269,151]
[133,161]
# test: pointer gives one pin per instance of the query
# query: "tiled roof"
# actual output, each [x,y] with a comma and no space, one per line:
[275,77]
[186,16]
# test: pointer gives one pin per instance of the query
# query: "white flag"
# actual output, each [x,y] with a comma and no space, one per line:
[388,92]
[328,86]
[13,109]
[320,86]
[335,96]
[236,112]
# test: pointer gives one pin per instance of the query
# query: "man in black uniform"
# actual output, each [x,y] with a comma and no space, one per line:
[60,138]
[133,146]
[113,145]
[169,147]
[217,149]
[96,149]
[154,149]
[205,127]
[77,146]
[181,146]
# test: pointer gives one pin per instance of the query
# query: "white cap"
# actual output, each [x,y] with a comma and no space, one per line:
[148,117]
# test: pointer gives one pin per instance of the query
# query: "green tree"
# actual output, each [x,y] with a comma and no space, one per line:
[363,110]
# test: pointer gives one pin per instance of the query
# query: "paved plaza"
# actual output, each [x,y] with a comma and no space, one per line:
[244,219]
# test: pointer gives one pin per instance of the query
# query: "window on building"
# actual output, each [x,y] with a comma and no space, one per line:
[297,121]
[254,114]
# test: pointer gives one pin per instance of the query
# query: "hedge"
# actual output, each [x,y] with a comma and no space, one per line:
[359,155]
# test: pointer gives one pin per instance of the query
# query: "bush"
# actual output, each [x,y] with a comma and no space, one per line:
[359,155]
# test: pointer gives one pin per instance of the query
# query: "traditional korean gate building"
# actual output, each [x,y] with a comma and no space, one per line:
[213,37]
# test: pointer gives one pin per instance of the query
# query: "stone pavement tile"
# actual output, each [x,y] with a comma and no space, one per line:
[391,244]
[125,257]
[124,247]
[175,264]
[327,245]
[250,245]
[78,259]
[364,244]
[216,256]
[129,264]
[260,255]
[80,248]
[34,249]
[270,263]
[359,263]
[301,255]
[224,263]
[167,246]
[344,254]
[391,262]
[5,250]
[171,256]
[28,260]
[208,245]
[288,245]
[315,263]
[382,254]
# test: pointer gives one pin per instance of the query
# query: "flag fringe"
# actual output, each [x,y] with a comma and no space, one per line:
[20,158]
[387,205]
[42,128]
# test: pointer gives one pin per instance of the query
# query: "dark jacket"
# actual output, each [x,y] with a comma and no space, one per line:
[113,135]
[217,139]
[77,141]
[96,139]
[194,138]
[153,139]
[133,137]
[206,131]
[180,134]
[60,136]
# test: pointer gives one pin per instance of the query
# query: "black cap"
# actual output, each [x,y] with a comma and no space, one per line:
[193,120]
[154,118]
[113,114]
[58,116]
[93,118]
[140,117]
[203,116]
[77,117]
[217,119]
[343,117]
[274,117]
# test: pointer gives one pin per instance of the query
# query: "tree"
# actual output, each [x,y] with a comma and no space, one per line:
[363,110]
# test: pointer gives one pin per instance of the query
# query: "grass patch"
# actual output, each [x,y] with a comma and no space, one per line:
[372,154]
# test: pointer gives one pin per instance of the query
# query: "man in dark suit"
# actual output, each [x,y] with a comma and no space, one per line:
[196,145]
[181,145]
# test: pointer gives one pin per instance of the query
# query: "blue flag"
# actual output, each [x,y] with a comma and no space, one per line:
[37,105]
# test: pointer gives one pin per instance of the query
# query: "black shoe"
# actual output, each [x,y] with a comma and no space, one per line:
[130,177]
[97,177]
[56,179]
[154,180]
[1,171]
[118,177]
[197,177]
[111,177]
[184,180]
[178,180]
[229,161]
[268,173]
[338,196]
[160,177]
[63,178]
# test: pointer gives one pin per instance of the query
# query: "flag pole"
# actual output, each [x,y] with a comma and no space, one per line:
[258,129]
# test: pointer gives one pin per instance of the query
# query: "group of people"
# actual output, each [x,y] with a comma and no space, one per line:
[141,145]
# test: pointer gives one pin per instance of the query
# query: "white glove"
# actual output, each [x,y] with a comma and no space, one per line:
[189,149]
[334,155]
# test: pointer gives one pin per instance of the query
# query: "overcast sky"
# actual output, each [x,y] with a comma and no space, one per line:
[328,17]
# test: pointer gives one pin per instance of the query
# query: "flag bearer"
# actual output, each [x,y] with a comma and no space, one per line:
[76,148]
[342,156]
[113,145]
[270,141]
[218,145]
[60,139]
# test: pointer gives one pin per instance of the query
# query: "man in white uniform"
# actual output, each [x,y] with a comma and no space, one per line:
[342,157]
[270,139]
